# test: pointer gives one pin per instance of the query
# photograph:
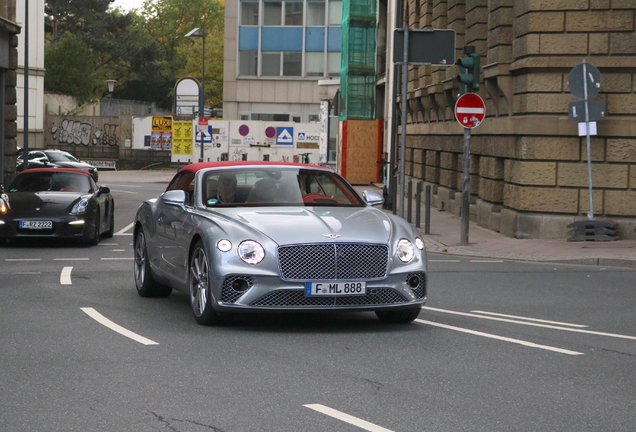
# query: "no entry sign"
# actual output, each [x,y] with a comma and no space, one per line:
[470,110]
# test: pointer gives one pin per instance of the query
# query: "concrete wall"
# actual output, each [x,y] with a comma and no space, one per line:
[528,165]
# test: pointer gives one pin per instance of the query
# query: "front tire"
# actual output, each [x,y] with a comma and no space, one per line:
[111,226]
[144,282]
[200,298]
[93,240]
[403,316]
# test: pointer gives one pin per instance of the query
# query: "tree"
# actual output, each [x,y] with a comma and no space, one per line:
[78,80]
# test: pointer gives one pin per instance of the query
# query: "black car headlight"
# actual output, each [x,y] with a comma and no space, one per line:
[80,207]
[405,250]
[251,252]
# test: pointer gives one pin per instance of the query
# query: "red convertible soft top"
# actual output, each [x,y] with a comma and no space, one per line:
[226,164]
[75,170]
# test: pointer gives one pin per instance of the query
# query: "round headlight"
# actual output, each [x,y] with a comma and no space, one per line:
[405,250]
[224,245]
[251,252]
[419,243]
[80,207]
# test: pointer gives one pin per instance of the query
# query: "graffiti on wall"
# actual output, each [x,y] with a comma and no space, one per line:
[72,132]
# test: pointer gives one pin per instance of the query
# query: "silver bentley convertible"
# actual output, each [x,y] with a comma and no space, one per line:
[271,236]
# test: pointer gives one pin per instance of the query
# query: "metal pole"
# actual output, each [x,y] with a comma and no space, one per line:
[25,147]
[427,209]
[202,96]
[466,188]
[418,204]
[590,214]
[403,119]
[409,201]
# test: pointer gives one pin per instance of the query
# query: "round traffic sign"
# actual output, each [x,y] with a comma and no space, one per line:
[270,132]
[470,110]
[581,75]
[244,130]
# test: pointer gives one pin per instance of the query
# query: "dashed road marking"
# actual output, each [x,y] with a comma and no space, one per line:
[502,338]
[116,327]
[355,421]
[65,276]
[123,231]
[528,319]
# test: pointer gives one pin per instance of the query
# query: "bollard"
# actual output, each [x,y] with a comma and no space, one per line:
[393,193]
[409,202]
[427,214]
[418,204]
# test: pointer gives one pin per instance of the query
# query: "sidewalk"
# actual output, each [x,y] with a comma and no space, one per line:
[445,235]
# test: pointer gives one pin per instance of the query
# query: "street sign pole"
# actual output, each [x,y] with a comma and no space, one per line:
[590,214]
[466,189]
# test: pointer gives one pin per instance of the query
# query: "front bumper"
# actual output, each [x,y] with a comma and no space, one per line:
[264,293]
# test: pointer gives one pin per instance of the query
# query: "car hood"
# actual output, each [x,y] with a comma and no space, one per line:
[78,165]
[292,225]
[41,204]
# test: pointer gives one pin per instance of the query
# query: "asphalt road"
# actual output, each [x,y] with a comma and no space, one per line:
[500,346]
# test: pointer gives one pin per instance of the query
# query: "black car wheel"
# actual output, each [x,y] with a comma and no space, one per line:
[144,282]
[93,240]
[111,225]
[200,298]
[403,316]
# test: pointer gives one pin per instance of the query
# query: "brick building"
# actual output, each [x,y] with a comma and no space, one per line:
[528,165]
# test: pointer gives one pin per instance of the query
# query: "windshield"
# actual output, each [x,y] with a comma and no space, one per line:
[61,157]
[264,186]
[51,181]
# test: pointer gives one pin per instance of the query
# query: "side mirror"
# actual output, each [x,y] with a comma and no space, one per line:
[103,190]
[174,197]
[372,198]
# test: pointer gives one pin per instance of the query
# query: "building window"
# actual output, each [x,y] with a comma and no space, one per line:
[315,13]
[249,12]
[333,63]
[314,118]
[292,64]
[271,64]
[315,64]
[270,117]
[335,13]
[272,13]
[248,63]
[293,13]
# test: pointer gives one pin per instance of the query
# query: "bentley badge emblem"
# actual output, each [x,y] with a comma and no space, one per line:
[332,236]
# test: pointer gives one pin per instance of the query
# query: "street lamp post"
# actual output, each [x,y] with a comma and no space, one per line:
[111,89]
[200,32]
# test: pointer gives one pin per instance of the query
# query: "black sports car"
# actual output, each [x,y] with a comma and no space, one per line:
[57,159]
[56,202]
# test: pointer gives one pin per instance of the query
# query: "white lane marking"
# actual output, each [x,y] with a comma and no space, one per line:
[121,191]
[65,276]
[528,319]
[25,273]
[487,261]
[347,418]
[22,259]
[125,185]
[108,244]
[116,327]
[431,260]
[502,338]
[118,250]
[533,324]
[126,228]
[70,259]
[115,259]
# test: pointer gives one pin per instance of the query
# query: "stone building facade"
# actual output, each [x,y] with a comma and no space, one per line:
[9,30]
[528,166]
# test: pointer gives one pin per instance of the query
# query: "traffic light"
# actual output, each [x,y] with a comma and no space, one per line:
[470,66]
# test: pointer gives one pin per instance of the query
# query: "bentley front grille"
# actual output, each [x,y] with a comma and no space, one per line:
[333,261]
[297,298]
